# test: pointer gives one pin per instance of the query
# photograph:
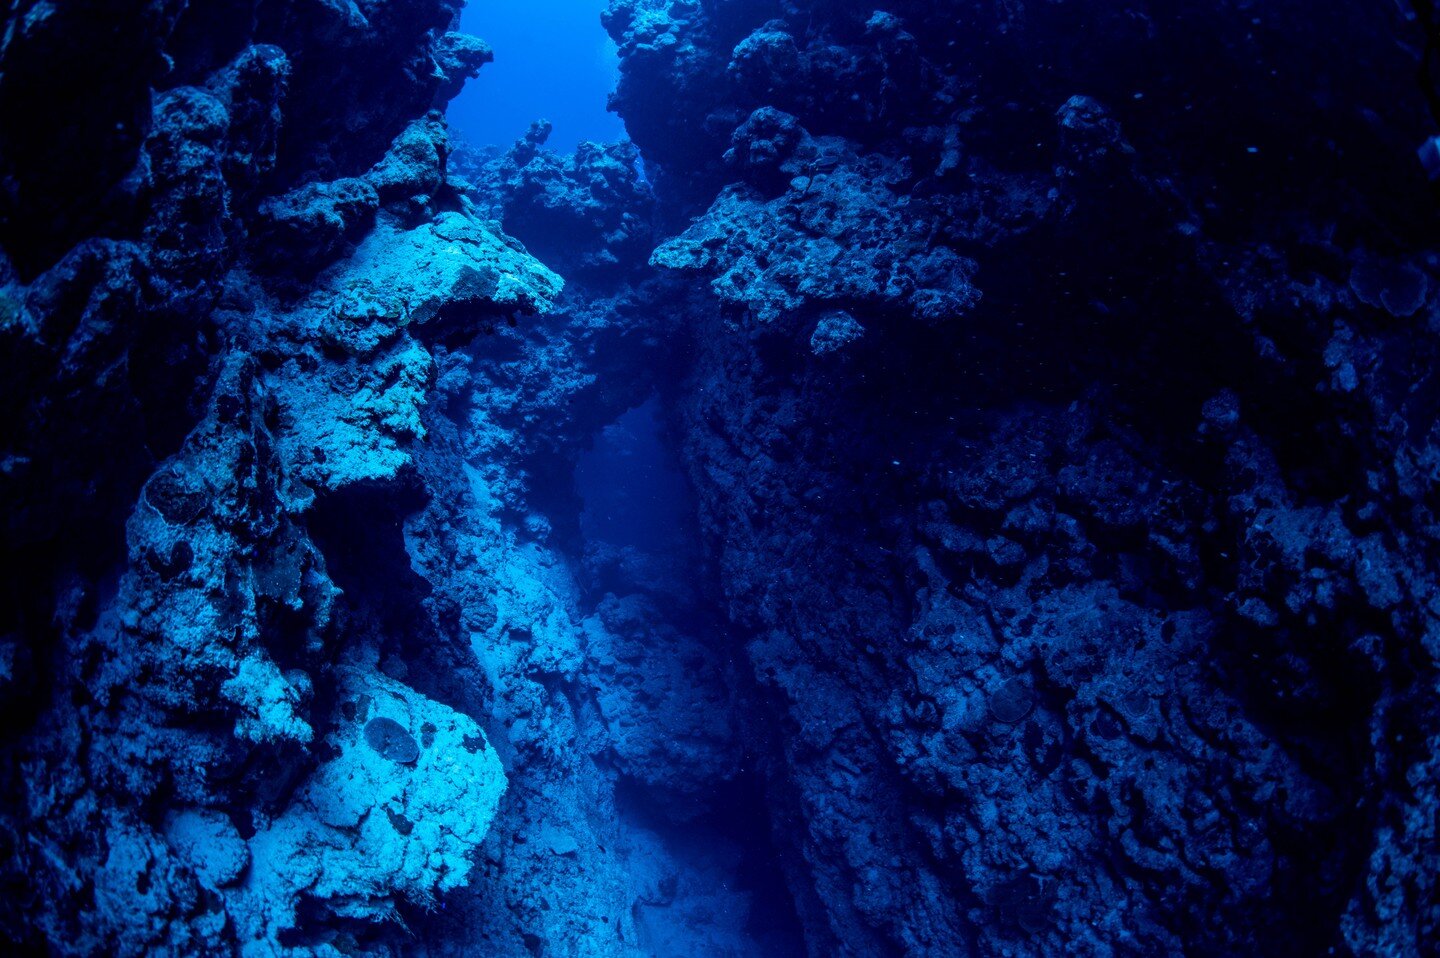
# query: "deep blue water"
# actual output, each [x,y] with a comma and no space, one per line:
[553,62]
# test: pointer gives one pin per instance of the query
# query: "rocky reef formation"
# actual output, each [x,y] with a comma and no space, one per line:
[960,482]
[1064,463]
[607,672]
[301,611]
[223,308]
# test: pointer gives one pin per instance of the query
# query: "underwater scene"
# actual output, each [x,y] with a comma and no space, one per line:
[720,478]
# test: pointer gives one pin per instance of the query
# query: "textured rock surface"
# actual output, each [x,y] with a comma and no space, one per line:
[191,681]
[1057,463]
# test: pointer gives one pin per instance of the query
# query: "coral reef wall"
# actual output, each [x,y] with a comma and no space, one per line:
[962,481]
[306,651]
[223,301]
[1063,429]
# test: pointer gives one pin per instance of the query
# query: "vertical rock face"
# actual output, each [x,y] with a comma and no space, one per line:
[1052,570]
[222,304]
[1061,463]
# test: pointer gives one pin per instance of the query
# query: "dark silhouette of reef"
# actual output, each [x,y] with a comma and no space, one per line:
[962,481]
[1062,433]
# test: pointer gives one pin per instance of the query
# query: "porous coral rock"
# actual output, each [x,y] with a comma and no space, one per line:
[1040,670]
[367,830]
[459,57]
[839,234]
[588,214]
[191,745]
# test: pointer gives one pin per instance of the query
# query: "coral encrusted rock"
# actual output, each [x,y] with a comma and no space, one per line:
[190,771]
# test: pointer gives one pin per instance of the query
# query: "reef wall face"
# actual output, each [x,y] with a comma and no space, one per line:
[607,672]
[1061,425]
[301,610]
[223,300]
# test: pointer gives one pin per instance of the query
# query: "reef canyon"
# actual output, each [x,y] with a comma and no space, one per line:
[961,480]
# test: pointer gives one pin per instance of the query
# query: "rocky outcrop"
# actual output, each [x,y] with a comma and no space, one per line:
[1053,465]
[600,665]
[840,234]
[213,755]
[590,214]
